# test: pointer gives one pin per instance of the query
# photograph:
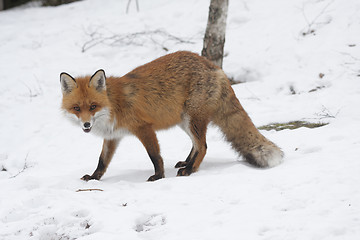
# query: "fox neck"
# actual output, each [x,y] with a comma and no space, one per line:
[106,126]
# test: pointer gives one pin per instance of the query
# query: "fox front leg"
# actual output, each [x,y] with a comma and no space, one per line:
[148,138]
[108,150]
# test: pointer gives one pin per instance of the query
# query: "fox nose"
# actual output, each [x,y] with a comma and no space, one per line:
[86,125]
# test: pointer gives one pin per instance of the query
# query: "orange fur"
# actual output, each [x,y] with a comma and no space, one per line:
[177,89]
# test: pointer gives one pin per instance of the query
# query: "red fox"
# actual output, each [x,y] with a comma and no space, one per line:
[182,89]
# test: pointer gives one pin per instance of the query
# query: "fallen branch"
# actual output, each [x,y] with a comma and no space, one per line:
[89,190]
[291,125]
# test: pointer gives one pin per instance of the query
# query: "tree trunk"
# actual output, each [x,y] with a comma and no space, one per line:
[56,2]
[6,4]
[214,39]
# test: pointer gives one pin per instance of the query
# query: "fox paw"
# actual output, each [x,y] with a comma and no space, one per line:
[156,177]
[181,164]
[184,172]
[88,177]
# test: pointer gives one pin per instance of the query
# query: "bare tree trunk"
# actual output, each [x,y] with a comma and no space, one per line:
[6,4]
[56,2]
[128,5]
[214,39]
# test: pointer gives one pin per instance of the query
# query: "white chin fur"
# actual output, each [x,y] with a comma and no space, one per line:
[104,126]
[101,124]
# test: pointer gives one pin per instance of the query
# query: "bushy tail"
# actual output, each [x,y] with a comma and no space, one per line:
[243,135]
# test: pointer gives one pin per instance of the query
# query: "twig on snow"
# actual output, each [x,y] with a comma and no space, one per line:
[325,113]
[138,39]
[34,91]
[314,21]
[26,166]
[89,190]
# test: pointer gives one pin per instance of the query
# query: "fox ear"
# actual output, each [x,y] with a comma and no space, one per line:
[98,80]
[67,82]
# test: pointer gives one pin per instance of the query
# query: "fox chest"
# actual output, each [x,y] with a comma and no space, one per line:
[106,127]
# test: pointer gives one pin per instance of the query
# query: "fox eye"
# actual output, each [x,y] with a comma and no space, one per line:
[76,108]
[92,107]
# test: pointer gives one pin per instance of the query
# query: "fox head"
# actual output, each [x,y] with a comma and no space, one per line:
[85,100]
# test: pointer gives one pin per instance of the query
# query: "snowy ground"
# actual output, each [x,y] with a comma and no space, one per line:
[280,48]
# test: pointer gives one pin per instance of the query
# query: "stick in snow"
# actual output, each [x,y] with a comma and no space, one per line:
[89,189]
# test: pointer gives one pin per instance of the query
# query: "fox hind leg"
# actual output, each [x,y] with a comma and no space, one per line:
[182,164]
[196,129]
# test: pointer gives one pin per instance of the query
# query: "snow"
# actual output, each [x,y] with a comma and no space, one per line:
[314,194]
